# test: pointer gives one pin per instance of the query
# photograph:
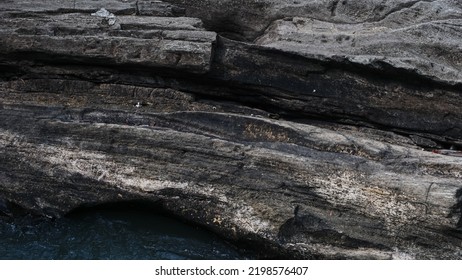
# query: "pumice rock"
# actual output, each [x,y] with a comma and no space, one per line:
[307,129]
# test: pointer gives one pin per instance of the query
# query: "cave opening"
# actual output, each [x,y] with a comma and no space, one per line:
[123,230]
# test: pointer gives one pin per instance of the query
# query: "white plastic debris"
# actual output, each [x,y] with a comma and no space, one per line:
[106,15]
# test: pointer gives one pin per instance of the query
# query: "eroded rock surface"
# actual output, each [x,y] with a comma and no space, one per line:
[310,136]
[161,42]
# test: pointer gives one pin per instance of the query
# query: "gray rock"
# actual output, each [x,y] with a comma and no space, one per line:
[118,7]
[403,34]
[300,147]
[298,87]
[177,43]
[413,46]
[158,8]
[109,17]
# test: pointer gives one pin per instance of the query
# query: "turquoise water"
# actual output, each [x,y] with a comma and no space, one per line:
[110,234]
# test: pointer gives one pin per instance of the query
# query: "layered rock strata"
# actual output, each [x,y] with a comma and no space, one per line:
[303,128]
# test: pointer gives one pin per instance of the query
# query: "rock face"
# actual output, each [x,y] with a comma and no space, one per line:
[305,128]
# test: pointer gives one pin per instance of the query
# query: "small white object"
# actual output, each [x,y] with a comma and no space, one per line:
[102,13]
[138,105]
[105,14]
[314,90]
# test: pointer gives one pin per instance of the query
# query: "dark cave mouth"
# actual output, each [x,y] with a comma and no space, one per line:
[122,230]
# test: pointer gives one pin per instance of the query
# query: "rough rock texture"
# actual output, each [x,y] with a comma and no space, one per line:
[302,128]
[161,42]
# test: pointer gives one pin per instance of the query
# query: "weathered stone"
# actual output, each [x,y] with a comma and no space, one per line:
[118,7]
[414,47]
[298,87]
[403,34]
[302,148]
[158,8]
[177,43]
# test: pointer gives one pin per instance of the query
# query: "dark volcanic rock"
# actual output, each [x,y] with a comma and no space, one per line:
[307,138]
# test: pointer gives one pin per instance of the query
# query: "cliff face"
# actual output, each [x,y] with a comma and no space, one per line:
[302,127]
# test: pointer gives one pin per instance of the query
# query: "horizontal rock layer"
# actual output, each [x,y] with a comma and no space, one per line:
[164,42]
[303,152]
[416,36]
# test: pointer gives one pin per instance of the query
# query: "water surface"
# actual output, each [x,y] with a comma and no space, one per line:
[110,234]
